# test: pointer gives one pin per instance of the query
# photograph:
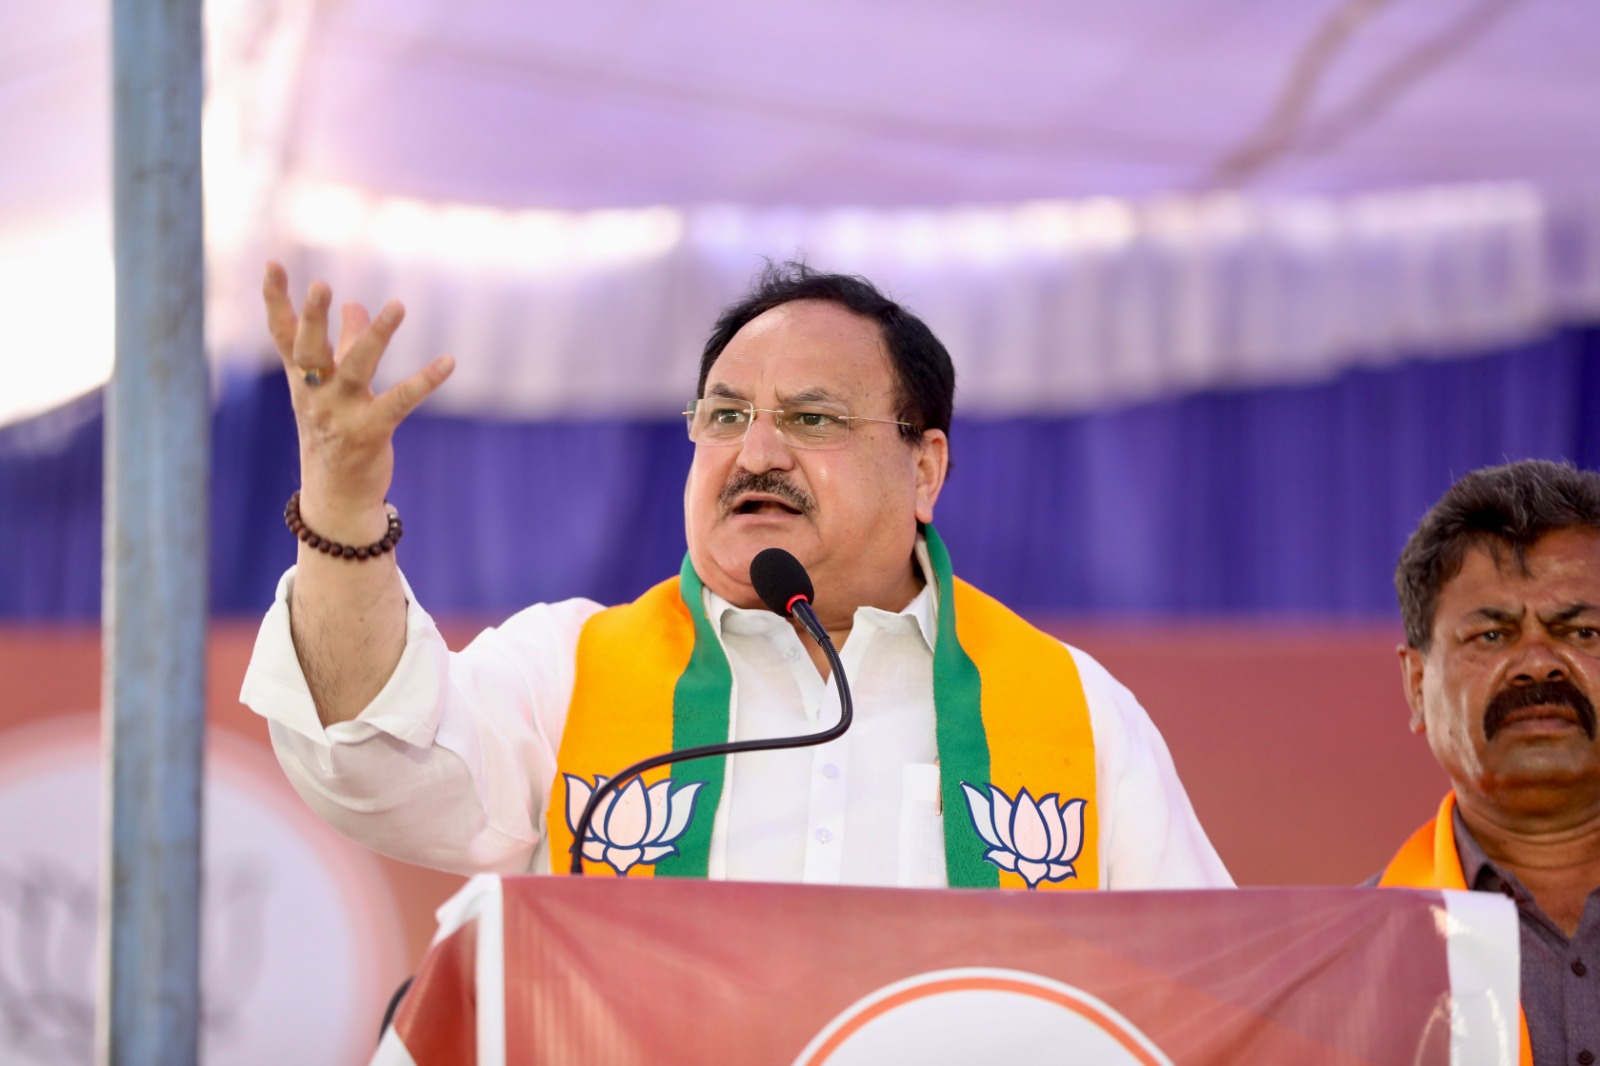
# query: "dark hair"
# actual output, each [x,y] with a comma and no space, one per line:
[1500,506]
[925,379]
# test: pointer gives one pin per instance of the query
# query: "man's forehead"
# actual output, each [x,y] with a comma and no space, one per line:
[801,394]
[1562,563]
[804,346]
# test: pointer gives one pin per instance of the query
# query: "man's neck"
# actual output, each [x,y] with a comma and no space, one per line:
[918,576]
[1553,850]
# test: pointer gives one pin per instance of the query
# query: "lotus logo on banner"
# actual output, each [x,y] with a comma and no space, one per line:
[1035,838]
[633,824]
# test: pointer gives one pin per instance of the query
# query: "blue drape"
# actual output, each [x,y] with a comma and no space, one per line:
[1286,500]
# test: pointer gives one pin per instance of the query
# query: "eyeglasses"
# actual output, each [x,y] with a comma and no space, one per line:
[715,420]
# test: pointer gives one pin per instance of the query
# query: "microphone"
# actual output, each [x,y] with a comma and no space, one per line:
[785,587]
[780,580]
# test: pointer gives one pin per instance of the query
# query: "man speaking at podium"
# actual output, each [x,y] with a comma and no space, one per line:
[982,753]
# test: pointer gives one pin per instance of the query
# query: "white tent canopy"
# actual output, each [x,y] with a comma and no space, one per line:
[1096,199]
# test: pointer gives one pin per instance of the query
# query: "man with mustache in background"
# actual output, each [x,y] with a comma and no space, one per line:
[1500,591]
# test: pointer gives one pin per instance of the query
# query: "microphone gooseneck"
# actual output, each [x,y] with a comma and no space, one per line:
[785,587]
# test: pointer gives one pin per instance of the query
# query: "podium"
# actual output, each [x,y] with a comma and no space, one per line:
[664,971]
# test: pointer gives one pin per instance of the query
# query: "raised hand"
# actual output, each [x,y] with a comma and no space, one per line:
[347,616]
[346,430]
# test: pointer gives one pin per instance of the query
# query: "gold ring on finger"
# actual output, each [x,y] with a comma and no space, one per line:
[316,375]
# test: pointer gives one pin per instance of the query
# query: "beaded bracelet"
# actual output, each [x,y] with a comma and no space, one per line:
[297,526]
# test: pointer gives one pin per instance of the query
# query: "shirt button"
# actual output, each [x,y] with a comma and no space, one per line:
[831,771]
[1585,1057]
[791,655]
[1579,968]
[824,835]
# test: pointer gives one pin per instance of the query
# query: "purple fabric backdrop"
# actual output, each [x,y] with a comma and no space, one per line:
[1283,500]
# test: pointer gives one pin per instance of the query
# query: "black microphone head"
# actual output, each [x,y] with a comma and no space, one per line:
[779,579]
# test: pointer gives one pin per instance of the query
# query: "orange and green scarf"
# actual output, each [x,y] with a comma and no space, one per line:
[1016,751]
[1430,860]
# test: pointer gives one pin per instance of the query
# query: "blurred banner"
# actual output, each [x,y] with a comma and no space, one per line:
[304,935]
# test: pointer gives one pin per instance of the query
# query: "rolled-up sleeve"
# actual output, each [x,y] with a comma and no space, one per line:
[451,763]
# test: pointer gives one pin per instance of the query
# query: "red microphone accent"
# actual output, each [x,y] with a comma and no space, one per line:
[799,597]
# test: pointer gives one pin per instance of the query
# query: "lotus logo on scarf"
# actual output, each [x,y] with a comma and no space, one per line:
[632,824]
[1038,839]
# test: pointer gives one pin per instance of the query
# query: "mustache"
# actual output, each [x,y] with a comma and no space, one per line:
[769,483]
[1544,693]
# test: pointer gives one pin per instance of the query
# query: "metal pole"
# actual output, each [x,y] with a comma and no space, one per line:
[157,517]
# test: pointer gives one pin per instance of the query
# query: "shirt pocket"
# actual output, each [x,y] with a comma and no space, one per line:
[921,828]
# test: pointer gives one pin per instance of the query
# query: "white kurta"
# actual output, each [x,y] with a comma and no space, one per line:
[451,765]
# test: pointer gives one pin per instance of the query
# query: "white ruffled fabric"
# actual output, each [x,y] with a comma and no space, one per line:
[1046,307]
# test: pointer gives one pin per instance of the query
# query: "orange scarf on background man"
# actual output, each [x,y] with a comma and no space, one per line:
[1430,860]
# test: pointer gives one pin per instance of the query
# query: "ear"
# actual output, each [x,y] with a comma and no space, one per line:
[933,462]
[1412,665]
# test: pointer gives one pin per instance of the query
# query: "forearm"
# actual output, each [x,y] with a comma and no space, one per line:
[347,616]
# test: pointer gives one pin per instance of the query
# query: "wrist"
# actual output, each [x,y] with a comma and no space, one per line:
[329,526]
[344,517]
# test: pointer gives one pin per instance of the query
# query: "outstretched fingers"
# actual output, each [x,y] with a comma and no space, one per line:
[311,349]
[282,322]
[303,344]
[363,341]
[403,398]
[353,321]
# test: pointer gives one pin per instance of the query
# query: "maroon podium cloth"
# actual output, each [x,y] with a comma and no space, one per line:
[669,971]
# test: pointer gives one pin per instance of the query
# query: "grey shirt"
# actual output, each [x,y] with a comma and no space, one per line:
[1560,976]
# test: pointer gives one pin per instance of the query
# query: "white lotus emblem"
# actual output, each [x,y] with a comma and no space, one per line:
[1038,839]
[633,824]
